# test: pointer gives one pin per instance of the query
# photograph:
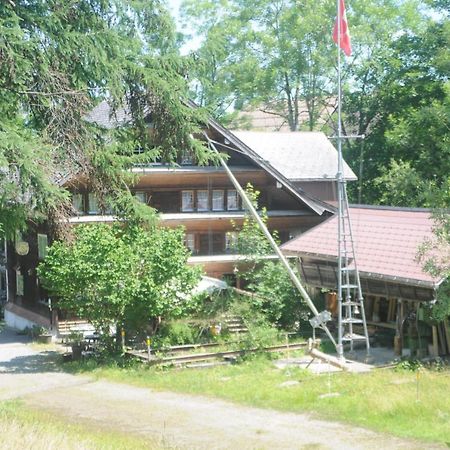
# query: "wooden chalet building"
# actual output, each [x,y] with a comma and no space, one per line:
[202,200]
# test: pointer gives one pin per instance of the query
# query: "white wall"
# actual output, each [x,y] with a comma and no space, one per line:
[16,321]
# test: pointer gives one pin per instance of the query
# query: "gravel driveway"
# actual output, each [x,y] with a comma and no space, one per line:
[182,421]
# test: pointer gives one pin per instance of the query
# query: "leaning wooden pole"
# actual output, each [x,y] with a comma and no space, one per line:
[249,205]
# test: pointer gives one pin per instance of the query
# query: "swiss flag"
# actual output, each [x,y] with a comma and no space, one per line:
[343,40]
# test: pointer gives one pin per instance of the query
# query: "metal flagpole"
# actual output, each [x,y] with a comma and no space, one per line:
[351,284]
[340,181]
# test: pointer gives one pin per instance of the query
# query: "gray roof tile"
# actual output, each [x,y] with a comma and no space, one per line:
[299,156]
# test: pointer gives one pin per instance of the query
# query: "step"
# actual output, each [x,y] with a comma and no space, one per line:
[352,320]
[353,337]
[351,304]
[238,330]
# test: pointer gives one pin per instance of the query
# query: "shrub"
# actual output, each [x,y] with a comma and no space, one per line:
[117,275]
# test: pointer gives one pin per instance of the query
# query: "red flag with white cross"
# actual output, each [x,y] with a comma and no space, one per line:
[343,41]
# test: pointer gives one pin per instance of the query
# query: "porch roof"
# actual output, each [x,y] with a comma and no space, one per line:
[387,242]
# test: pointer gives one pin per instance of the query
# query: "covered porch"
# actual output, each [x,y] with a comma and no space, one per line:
[397,292]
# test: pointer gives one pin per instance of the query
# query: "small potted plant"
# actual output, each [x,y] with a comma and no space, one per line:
[76,342]
[41,335]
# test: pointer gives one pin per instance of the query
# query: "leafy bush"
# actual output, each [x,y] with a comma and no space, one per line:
[259,337]
[409,364]
[177,333]
[275,295]
[121,275]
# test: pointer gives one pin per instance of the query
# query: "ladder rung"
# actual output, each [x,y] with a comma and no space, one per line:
[353,337]
[347,269]
[352,320]
[349,286]
[351,304]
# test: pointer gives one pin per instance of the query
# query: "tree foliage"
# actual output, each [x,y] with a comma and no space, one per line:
[251,239]
[275,295]
[120,275]
[274,53]
[405,115]
[278,56]
[59,59]
[434,254]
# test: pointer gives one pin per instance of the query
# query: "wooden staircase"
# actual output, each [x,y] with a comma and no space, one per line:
[234,324]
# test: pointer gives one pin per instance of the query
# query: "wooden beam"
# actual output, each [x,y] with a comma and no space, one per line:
[447,334]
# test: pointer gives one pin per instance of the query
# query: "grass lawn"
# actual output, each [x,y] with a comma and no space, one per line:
[25,428]
[397,402]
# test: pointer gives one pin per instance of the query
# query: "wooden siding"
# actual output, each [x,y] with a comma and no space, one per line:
[323,190]
[323,274]
[200,179]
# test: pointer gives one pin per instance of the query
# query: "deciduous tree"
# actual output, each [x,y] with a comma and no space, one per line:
[120,275]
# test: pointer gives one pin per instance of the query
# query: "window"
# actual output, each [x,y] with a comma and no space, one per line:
[232,200]
[78,202]
[141,196]
[217,200]
[211,244]
[187,201]
[93,203]
[189,241]
[231,241]
[42,245]
[202,201]
[218,242]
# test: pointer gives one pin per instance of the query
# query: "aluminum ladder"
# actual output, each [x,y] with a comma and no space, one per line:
[350,298]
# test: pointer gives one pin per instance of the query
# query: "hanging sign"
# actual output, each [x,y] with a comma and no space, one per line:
[22,248]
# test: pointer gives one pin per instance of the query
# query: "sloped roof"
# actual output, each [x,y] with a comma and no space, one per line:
[272,116]
[386,239]
[298,155]
[103,115]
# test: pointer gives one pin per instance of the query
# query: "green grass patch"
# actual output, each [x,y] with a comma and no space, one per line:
[393,401]
[25,428]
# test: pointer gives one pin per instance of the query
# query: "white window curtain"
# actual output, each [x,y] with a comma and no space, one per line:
[187,201]
[217,200]
[202,201]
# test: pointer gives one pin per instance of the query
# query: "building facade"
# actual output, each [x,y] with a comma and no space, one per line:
[202,199]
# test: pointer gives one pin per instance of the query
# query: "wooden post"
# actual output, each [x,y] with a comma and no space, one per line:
[329,359]
[376,309]
[398,339]
[368,307]
[435,341]
[331,299]
[391,310]
[442,340]
[447,334]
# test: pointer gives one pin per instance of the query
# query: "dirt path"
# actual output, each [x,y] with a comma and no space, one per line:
[181,421]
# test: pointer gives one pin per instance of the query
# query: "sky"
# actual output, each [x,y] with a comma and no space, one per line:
[174,6]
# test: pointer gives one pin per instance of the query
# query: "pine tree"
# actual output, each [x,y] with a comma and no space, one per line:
[57,60]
